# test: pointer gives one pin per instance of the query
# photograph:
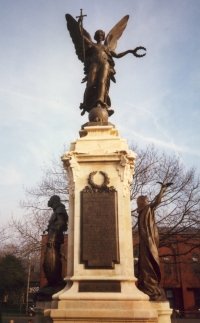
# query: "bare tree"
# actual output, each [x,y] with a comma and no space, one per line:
[178,212]
[27,231]
[4,235]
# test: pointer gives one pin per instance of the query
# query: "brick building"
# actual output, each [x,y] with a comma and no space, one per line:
[180,268]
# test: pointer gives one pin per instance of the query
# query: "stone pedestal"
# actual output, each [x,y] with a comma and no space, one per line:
[100,282]
[163,310]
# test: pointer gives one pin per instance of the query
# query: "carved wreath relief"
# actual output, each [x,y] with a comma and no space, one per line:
[98,187]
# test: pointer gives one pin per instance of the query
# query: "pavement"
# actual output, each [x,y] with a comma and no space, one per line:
[28,319]
[16,319]
[176,320]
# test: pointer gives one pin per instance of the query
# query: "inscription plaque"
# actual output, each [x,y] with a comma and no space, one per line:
[100,286]
[99,229]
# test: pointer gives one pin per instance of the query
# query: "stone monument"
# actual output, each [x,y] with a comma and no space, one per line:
[100,285]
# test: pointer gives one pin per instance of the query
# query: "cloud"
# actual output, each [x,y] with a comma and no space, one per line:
[54,104]
[167,144]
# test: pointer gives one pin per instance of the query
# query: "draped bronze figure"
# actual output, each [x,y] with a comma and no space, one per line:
[57,225]
[149,274]
[99,65]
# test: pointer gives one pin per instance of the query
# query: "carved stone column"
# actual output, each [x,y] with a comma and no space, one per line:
[100,282]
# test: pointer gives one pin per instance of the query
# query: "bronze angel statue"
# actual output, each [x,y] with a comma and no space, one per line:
[99,65]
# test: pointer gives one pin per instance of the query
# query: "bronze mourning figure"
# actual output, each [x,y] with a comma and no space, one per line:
[99,65]
[57,225]
[149,274]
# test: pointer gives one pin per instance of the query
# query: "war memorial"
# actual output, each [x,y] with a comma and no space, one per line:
[100,285]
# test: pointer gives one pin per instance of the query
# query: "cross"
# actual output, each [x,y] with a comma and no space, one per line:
[80,21]
[80,18]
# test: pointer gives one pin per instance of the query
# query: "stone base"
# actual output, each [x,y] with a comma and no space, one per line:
[163,310]
[101,285]
[107,311]
[125,306]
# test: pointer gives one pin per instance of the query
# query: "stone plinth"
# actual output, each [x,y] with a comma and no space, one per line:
[100,281]
[163,310]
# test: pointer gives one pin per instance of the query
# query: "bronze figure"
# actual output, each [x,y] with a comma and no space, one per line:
[149,274]
[98,61]
[57,225]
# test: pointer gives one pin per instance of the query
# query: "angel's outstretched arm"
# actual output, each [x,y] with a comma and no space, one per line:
[130,51]
[115,55]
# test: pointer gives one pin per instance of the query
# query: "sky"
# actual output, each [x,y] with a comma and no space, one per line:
[156,98]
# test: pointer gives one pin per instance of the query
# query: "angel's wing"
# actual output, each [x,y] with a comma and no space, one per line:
[75,33]
[115,33]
